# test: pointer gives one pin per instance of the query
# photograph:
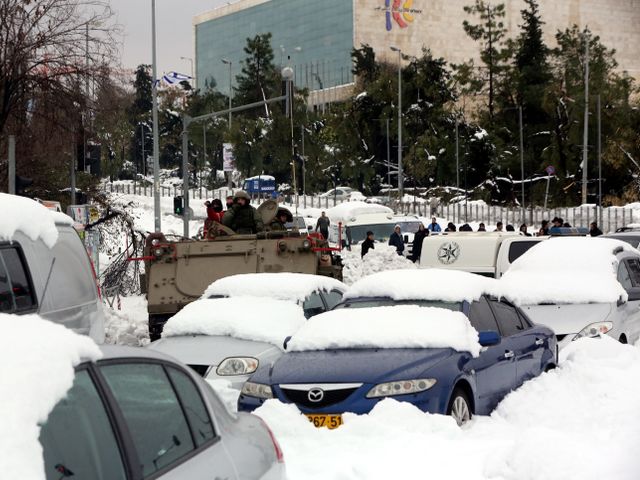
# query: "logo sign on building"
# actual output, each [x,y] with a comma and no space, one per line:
[399,13]
[228,160]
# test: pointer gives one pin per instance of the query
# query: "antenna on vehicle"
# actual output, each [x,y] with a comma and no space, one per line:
[46,285]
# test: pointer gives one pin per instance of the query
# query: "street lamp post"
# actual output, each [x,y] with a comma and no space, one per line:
[156,141]
[230,63]
[400,170]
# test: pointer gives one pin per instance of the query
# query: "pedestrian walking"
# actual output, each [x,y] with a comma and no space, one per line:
[322,225]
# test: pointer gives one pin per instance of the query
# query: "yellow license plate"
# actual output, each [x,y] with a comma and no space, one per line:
[329,421]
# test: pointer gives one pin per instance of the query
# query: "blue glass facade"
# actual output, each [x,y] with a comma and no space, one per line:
[322,29]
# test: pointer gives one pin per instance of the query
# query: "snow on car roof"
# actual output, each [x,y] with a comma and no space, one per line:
[292,287]
[566,270]
[261,177]
[401,326]
[31,218]
[246,318]
[349,210]
[37,360]
[424,284]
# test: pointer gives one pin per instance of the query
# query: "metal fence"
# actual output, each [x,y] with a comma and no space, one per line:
[609,219]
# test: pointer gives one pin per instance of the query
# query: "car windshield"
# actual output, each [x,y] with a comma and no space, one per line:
[381,232]
[409,227]
[389,302]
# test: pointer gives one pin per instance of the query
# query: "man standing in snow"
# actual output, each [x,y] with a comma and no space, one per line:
[368,244]
[396,240]
[323,225]
[499,227]
[594,231]
[434,226]
[418,238]
[242,217]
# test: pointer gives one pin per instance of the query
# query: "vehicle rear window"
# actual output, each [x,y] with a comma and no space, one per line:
[16,290]
[517,249]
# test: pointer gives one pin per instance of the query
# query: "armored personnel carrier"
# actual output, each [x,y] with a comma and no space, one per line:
[178,272]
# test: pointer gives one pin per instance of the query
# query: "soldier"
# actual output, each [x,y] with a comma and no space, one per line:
[279,223]
[242,217]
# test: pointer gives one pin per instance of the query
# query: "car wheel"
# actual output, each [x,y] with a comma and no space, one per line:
[460,407]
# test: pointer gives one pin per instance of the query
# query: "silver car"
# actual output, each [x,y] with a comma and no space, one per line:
[136,414]
[234,358]
[56,282]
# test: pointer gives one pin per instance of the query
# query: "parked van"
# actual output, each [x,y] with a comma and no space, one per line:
[488,254]
[42,274]
[356,219]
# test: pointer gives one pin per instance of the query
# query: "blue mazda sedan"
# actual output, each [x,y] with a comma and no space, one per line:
[441,340]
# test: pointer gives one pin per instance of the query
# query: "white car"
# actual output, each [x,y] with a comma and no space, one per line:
[579,287]
[342,194]
[242,321]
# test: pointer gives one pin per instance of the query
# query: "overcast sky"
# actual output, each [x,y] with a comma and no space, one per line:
[174,31]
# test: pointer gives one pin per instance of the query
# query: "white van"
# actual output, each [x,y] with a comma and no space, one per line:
[357,218]
[485,253]
[45,269]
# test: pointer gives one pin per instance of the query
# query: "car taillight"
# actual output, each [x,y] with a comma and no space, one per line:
[276,445]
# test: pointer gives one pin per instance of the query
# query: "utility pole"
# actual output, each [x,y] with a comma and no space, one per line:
[185,175]
[599,163]
[144,160]
[204,151]
[457,156]
[585,142]
[304,169]
[12,165]
[230,63]
[400,170]
[388,158]
[156,140]
[74,153]
[521,158]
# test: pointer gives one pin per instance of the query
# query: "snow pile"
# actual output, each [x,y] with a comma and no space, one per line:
[292,287]
[401,326]
[29,217]
[578,422]
[247,318]
[37,358]
[566,270]
[381,258]
[424,284]
[351,210]
[128,326]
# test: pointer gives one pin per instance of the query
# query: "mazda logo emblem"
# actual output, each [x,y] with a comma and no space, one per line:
[315,395]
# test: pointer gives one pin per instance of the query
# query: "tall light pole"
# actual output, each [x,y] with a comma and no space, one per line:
[585,141]
[521,156]
[400,170]
[156,142]
[230,63]
[190,60]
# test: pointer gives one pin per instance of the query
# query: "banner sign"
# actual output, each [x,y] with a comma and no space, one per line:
[228,161]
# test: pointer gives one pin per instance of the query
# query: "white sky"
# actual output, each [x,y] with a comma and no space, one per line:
[174,31]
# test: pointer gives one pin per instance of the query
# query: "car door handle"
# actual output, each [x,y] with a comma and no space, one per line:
[539,342]
[509,354]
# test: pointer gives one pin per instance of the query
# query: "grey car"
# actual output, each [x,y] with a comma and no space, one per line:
[137,414]
[234,359]
[56,282]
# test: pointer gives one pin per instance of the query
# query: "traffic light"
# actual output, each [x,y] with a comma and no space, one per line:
[178,205]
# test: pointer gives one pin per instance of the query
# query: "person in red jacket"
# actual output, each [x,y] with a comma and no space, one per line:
[214,213]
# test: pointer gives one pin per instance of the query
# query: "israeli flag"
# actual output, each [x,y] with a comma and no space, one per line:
[172,78]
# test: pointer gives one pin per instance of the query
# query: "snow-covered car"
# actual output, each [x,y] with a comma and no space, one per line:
[579,287]
[437,339]
[356,219]
[77,410]
[242,322]
[45,269]
[341,194]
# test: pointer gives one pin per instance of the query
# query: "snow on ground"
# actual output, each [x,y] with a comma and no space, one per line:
[578,422]
[129,325]
[382,257]
[237,317]
[401,326]
[566,270]
[37,358]
[29,217]
[292,287]
[424,284]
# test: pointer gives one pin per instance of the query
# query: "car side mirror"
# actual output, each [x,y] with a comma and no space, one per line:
[489,338]
[286,342]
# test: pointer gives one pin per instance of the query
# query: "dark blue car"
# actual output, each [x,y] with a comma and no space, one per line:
[326,383]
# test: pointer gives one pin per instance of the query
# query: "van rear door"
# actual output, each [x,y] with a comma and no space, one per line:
[511,249]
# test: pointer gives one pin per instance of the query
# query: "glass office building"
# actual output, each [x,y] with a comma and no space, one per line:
[317,35]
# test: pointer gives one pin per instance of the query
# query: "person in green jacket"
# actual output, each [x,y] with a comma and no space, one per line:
[242,218]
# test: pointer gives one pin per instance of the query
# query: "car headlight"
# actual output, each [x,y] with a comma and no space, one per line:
[257,390]
[402,387]
[237,366]
[594,330]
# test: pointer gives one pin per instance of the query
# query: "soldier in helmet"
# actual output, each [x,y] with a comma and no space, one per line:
[279,223]
[242,217]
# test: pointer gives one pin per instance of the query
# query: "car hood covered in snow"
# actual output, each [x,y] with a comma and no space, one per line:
[366,365]
[565,319]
